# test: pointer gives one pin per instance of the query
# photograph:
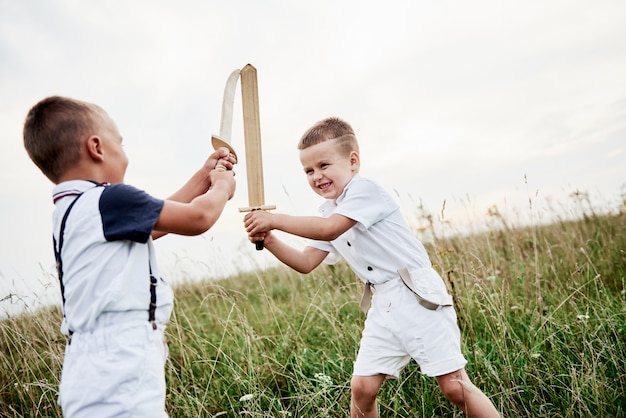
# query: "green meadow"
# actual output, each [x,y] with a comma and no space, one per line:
[541,308]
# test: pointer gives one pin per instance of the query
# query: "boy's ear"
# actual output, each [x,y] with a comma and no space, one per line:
[355,160]
[94,148]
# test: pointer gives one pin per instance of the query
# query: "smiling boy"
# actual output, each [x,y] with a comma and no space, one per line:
[361,223]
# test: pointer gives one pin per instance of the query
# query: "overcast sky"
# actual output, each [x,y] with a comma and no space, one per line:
[513,104]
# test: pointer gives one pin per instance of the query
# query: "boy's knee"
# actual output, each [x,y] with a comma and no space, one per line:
[364,387]
[455,387]
[454,392]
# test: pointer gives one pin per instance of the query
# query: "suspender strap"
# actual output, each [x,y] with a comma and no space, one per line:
[153,299]
[366,298]
[406,278]
[57,253]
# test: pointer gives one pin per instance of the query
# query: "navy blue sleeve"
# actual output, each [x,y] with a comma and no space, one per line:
[128,213]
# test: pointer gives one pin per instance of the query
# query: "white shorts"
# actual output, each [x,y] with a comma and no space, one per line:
[398,328]
[118,370]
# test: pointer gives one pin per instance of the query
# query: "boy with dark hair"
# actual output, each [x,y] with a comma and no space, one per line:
[115,304]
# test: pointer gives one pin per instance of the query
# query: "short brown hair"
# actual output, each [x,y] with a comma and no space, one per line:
[53,131]
[327,129]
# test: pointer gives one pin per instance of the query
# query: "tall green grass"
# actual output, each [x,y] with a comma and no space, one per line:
[542,311]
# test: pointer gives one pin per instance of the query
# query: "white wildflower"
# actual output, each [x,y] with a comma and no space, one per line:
[246,398]
[325,381]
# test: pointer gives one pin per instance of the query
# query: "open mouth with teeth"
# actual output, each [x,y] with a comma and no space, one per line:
[324,186]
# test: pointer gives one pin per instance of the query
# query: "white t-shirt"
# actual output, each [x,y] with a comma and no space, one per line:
[381,240]
[107,253]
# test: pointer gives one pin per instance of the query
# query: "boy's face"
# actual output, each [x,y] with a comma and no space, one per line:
[115,157]
[328,171]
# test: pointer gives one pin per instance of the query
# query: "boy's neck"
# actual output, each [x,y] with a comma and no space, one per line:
[87,173]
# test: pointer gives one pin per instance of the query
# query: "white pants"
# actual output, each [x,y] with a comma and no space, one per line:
[115,371]
[398,328]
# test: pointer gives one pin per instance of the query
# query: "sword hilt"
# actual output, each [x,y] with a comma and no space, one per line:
[258,244]
[220,143]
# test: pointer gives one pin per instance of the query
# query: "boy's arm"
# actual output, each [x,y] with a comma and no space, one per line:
[199,183]
[311,227]
[201,213]
[303,261]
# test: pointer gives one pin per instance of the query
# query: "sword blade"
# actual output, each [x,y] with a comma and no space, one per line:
[252,137]
[226,122]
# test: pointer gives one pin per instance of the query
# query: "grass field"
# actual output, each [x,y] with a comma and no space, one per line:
[542,311]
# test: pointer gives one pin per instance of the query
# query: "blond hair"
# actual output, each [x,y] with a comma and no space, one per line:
[331,128]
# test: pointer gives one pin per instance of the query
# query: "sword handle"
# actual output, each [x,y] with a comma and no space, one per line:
[258,244]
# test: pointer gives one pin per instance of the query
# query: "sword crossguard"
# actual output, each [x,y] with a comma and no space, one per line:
[220,143]
[261,207]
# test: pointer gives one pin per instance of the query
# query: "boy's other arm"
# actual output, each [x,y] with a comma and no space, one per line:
[200,182]
[311,227]
[303,261]
[201,213]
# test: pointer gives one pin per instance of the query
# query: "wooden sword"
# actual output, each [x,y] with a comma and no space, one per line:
[252,138]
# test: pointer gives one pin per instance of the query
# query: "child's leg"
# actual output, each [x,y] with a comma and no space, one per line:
[364,392]
[459,390]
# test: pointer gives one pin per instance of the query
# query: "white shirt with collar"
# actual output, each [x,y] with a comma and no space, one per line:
[381,240]
[108,254]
